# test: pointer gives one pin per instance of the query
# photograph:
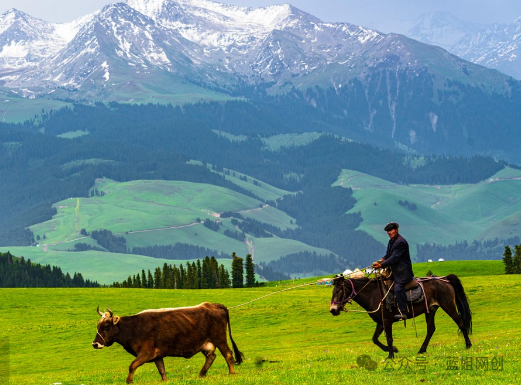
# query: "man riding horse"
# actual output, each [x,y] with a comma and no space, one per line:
[399,259]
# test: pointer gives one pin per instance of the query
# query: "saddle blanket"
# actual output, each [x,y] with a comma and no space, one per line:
[414,295]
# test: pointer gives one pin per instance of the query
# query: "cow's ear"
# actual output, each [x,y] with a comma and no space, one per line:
[115,319]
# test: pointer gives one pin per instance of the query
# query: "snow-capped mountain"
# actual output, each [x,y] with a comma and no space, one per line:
[171,46]
[498,46]
[25,40]
[442,29]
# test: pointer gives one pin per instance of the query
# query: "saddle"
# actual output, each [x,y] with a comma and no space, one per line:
[413,292]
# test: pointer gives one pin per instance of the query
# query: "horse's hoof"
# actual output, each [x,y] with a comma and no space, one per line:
[395,349]
[469,346]
[421,351]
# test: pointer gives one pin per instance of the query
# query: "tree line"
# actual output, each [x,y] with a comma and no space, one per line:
[18,272]
[207,274]
[476,250]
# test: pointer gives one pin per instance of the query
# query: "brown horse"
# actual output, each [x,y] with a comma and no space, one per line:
[446,292]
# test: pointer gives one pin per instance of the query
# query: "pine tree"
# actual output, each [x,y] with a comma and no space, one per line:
[177,277]
[182,275]
[196,275]
[150,280]
[214,269]
[157,278]
[250,271]
[516,261]
[143,280]
[165,277]
[224,278]
[190,276]
[207,274]
[199,274]
[237,272]
[507,260]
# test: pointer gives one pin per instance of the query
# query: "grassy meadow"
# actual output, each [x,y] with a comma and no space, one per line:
[287,338]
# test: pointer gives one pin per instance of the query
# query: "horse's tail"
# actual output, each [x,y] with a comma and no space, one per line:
[462,302]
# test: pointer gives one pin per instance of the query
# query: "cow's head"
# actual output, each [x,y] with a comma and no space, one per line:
[107,329]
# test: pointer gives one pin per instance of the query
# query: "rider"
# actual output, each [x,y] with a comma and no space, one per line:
[398,257]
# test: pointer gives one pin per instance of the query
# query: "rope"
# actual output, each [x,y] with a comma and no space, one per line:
[276,292]
[372,311]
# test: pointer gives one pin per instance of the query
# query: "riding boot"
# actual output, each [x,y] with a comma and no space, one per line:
[401,316]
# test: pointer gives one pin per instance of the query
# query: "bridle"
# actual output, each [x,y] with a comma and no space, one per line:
[353,294]
[347,299]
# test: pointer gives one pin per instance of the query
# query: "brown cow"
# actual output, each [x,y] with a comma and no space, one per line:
[176,332]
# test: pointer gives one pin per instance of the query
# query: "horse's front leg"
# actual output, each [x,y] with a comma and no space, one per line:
[388,327]
[378,331]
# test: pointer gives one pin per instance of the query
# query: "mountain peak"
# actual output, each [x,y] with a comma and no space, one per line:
[442,29]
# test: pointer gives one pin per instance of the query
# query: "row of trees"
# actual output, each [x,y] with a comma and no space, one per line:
[512,262]
[16,272]
[476,250]
[207,274]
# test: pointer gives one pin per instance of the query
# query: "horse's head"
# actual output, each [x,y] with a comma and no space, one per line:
[341,293]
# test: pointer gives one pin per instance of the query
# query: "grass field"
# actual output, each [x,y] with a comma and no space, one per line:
[287,338]
[444,214]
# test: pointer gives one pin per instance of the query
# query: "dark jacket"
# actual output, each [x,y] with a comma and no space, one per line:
[399,259]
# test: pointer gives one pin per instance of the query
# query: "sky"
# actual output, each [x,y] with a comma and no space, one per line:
[383,15]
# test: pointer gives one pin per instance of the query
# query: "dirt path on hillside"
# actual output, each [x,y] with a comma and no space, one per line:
[250,247]
[159,229]
[255,209]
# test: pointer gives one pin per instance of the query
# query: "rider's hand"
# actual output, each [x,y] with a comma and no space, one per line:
[377,265]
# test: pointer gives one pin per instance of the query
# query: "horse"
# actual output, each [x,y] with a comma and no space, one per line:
[445,292]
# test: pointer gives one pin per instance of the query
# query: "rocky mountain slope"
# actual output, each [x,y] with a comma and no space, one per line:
[204,44]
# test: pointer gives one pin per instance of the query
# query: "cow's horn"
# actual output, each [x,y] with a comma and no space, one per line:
[100,313]
[110,311]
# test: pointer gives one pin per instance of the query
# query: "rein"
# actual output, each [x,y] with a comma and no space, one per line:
[354,294]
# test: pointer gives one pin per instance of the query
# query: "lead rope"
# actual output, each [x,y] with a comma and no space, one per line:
[276,292]
[101,337]
[372,311]
[413,318]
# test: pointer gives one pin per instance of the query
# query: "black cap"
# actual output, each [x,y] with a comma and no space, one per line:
[391,226]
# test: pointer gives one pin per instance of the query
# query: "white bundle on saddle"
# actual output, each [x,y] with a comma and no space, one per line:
[357,274]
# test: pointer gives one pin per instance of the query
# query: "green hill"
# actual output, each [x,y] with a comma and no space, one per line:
[443,214]
[148,213]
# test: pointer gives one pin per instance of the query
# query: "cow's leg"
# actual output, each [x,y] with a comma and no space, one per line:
[228,355]
[141,359]
[379,329]
[161,367]
[209,353]
[431,328]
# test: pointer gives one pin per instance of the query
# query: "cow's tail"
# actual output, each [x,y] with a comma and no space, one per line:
[462,302]
[239,357]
